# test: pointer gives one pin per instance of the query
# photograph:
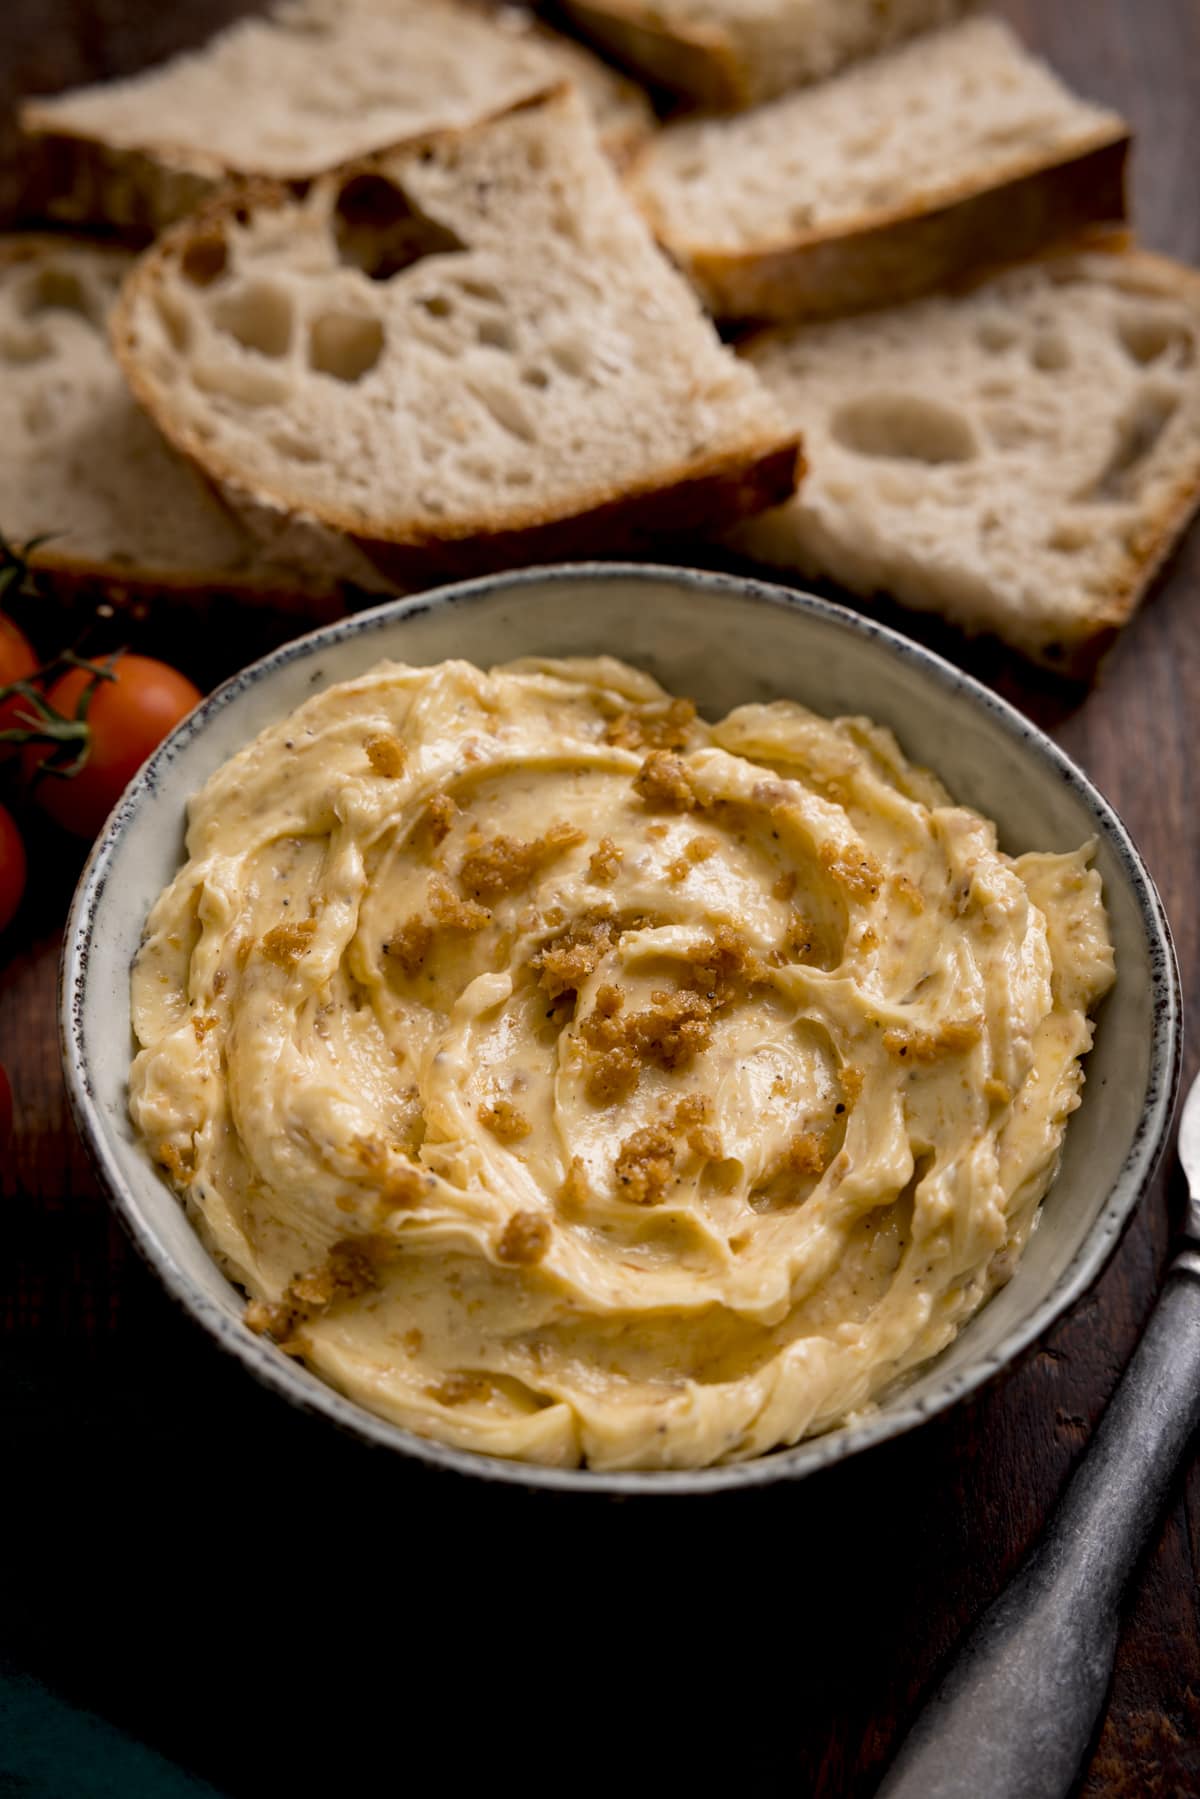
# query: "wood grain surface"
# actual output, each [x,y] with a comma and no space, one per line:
[280,1611]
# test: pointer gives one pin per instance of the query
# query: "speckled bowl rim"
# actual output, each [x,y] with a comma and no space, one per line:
[283,1377]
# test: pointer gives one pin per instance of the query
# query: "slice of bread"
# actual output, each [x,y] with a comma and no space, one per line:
[311,85]
[1021,457]
[80,460]
[468,340]
[887,181]
[733,53]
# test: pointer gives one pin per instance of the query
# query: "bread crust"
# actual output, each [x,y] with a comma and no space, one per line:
[881,258]
[76,178]
[692,59]
[710,490]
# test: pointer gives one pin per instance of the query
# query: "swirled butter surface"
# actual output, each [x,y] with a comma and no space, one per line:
[568,1078]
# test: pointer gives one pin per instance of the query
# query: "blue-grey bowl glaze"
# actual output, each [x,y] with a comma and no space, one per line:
[723,640]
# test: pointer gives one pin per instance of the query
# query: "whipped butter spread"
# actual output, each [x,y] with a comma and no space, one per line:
[567,1078]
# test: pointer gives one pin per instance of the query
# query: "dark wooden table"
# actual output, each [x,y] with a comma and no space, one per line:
[277,1610]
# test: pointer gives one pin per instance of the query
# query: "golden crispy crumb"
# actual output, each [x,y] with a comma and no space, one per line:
[566,961]
[931,1046]
[667,729]
[999,1092]
[868,939]
[351,1268]
[505,1121]
[440,813]
[288,942]
[663,781]
[851,1079]
[855,870]
[460,1387]
[666,1033]
[404,1187]
[203,1023]
[387,755]
[605,861]
[645,1164]
[455,913]
[505,864]
[720,961]
[699,849]
[690,1119]
[178,1163]
[410,944]
[612,1077]
[807,1153]
[908,890]
[799,939]
[525,1239]
[785,887]
[573,1193]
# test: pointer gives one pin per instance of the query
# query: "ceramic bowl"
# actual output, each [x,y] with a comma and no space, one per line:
[722,640]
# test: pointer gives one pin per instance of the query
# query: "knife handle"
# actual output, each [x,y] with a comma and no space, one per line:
[1013,1716]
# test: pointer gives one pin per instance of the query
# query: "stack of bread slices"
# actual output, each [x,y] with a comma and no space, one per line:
[416,286]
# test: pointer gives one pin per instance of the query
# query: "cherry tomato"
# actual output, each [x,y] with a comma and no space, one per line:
[129,716]
[6,1108]
[17,663]
[13,868]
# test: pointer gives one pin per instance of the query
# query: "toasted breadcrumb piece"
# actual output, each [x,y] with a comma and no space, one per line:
[459,1387]
[287,943]
[525,1239]
[851,1079]
[668,1033]
[856,871]
[455,913]
[698,850]
[720,961]
[645,1164]
[350,1269]
[807,1153]
[410,944]
[605,861]
[999,1092]
[439,813]
[785,887]
[505,864]
[663,781]
[203,1023]
[505,1121]
[175,1161]
[667,729]
[690,1119]
[931,1046]
[566,961]
[387,755]
[799,939]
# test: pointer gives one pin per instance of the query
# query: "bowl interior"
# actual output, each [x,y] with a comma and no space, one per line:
[722,641]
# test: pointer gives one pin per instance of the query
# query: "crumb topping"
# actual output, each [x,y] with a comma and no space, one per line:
[505,864]
[856,871]
[645,1164]
[663,782]
[287,943]
[439,813]
[387,756]
[605,861]
[505,1120]
[524,1239]
[667,728]
[409,944]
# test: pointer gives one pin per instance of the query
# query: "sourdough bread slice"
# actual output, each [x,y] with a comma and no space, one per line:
[728,54]
[469,340]
[312,84]
[80,460]
[894,177]
[1021,457]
